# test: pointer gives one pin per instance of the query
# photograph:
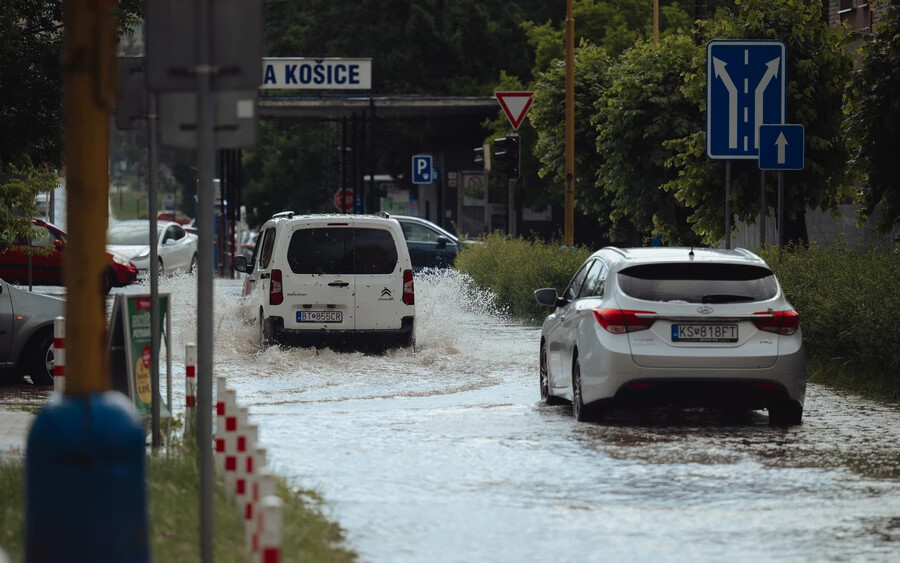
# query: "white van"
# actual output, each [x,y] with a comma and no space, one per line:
[324,280]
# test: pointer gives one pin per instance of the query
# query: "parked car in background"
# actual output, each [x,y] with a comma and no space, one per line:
[47,263]
[176,249]
[429,245]
[174,217]
[331,280]
[682,326]
[26,332]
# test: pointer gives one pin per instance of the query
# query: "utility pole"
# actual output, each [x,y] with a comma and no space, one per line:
[570,126]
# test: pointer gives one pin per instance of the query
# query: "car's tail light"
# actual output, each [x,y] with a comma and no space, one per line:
[779,322]
[620,321]
[275,294]
[409,293]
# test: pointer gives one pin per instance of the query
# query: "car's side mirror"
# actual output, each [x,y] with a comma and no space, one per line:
[442,241]
[548,297]
[240,264]
[58,244]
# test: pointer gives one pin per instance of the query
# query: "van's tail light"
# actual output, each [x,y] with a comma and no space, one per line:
[620,321]
[409,292]
[275,294]
[779,322]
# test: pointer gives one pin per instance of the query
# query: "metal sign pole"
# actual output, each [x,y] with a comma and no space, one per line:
[762,208]
[154,272]
[781,228]
[205,162]
[727,204]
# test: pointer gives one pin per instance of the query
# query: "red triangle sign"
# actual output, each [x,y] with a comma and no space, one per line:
[516,105]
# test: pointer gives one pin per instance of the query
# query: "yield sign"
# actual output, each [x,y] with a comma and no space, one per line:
[516,105]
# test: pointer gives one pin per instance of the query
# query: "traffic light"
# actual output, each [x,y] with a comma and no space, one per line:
[507,150]
[483,155]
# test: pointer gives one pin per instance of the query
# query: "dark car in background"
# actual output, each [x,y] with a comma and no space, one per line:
[26,332]
[48,243]
[429,245]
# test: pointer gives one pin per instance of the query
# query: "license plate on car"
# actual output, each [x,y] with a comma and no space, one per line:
[320,316]
[704,333]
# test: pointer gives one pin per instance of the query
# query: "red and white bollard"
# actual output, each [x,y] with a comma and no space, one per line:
[59,355]
[258,462]
[270,540]
[190,391]
[265,487]
[247,434]
[221,390]
[231,431]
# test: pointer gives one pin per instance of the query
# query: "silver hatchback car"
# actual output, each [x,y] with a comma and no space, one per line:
[682,326]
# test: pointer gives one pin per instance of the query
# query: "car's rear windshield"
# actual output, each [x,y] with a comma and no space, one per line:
[699,282]
[335,250]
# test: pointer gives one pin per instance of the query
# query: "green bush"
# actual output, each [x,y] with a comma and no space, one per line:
[849,303]
[513,268]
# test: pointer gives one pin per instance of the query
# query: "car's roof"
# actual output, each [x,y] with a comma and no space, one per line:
[660,254]
[426,222]
[132,222]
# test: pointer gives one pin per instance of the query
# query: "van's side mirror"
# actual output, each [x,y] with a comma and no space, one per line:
[240,264]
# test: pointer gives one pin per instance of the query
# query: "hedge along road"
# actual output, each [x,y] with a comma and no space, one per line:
[447,455]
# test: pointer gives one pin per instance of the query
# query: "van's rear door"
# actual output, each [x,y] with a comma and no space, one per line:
[319,281]
[379,276]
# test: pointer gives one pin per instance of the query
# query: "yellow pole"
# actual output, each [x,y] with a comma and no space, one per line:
[570,126]
[89,69]
[655,22]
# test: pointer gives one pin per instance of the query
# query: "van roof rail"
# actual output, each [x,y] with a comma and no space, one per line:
[617,250]
[288,214]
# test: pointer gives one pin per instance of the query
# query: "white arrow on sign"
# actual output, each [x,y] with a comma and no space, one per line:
[719,66]
[781,142]
[771,72]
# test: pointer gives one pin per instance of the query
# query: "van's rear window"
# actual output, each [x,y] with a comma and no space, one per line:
[333,250]
[699,282]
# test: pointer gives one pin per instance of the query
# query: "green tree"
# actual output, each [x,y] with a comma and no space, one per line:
[873,118]
[592,77]
[18,187]
[817,70]
[643,107]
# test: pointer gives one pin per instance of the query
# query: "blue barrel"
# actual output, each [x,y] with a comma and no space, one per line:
[85,486]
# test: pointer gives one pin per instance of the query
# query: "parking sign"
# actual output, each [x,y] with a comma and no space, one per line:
[745,86]
[421,169]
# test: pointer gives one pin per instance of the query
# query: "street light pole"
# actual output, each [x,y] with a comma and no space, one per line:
[570,126]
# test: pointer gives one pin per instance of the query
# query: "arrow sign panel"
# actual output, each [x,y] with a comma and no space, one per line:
[515,105]
[745,86]
[781,147]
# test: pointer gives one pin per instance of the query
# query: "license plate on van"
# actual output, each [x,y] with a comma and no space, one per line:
[704,333]
[320,316]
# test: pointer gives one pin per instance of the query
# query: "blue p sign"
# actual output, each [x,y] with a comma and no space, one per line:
[421,169]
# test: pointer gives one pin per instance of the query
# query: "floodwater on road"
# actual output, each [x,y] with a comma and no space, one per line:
[445,454]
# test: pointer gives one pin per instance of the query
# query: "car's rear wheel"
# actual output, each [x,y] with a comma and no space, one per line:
[582,412]
[546,397]
[109,281]
[40,359]
[785,413]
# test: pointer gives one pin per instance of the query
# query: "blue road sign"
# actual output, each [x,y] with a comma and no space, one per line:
[744,89]
[421,169]
[781,147]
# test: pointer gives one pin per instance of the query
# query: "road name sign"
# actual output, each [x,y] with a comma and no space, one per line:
[422,165]
[745,85]
[316,74]
[515,105]
[781,147]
